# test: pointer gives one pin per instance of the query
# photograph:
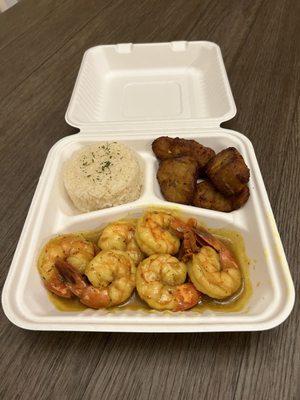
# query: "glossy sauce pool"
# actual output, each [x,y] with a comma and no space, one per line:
[235,303]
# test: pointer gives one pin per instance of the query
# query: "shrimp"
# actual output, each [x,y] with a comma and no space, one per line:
[153,233]
[71,248]
[121,236]
[212,267]
[111,279]
[160,283]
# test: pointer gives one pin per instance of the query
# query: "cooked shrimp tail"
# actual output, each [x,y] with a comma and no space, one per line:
[72,278]
[195,236]
[187,296]
[88,295]
[184,230]
[73,249]
[58,287]
[226,257]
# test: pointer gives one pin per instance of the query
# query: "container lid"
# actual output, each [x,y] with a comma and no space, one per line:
[166,85]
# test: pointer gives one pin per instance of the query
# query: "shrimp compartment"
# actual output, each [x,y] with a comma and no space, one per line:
[134,94]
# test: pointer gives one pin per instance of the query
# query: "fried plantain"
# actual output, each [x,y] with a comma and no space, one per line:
[177,178]
[207,196]
[240,199]
[228,172]
[165,148]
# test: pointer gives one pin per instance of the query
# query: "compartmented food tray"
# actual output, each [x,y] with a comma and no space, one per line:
[132,94]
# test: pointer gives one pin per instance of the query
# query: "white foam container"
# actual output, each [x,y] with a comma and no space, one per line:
[133,93]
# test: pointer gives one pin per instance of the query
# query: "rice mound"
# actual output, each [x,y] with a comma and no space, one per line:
[102,175]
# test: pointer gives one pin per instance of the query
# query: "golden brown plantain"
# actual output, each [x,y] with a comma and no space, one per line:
[228,172]
[165,148]
[177,178]
[207,196]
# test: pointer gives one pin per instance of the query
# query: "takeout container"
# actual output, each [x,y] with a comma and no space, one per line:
[133,93]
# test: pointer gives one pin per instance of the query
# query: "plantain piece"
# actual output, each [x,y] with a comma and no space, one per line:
[177,178]
[207,196]
[165,148]
[240,199]
[228,172]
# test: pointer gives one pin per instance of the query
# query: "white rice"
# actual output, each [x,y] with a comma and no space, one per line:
[103,175]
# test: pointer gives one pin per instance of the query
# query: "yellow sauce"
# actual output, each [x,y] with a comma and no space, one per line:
[62,304]
[235,303]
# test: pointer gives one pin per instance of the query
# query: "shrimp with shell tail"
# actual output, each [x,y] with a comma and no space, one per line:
[212,267]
